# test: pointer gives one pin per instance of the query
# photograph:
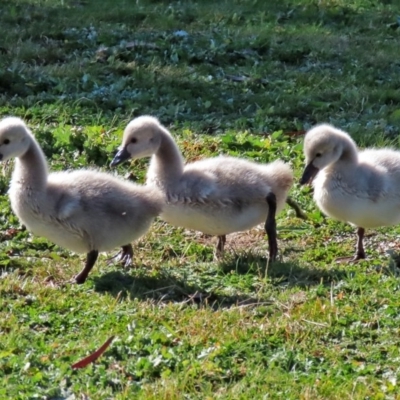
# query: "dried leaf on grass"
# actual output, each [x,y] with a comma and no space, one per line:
[94,356]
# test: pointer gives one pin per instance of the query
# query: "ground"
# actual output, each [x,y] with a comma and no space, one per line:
[239,77]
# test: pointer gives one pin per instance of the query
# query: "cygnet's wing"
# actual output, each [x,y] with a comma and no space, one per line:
[380,172]
[223,181]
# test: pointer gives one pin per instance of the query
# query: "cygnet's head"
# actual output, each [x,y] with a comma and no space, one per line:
[15,138]
[141,139]
[323,146]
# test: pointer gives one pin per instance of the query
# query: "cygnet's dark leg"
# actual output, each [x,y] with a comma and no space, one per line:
[220,246]
[296,208]
[270,227]
[91,258]
[124,256]
[360,253]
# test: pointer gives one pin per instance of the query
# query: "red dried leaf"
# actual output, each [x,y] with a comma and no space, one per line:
[94,356]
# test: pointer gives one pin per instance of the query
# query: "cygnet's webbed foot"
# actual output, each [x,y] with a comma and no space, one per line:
[91,258]
[124,256]
[220,248]
[350,259]
[358,256]
[270,227]
[360,252]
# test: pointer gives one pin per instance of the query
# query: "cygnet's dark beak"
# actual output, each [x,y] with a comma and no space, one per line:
[309,174]
[120,157]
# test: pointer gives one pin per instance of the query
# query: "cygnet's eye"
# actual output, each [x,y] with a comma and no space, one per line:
[6,141]
[133,140]
[318,155]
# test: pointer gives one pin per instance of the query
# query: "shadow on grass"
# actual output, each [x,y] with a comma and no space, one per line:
[166,287]
[121,283]
[289,274]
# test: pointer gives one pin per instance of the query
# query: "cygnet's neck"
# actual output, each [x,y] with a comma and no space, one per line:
[31,168]
[349,153]
[348,157]
[167,163]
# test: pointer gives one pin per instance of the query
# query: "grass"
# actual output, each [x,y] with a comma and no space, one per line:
[239,77]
